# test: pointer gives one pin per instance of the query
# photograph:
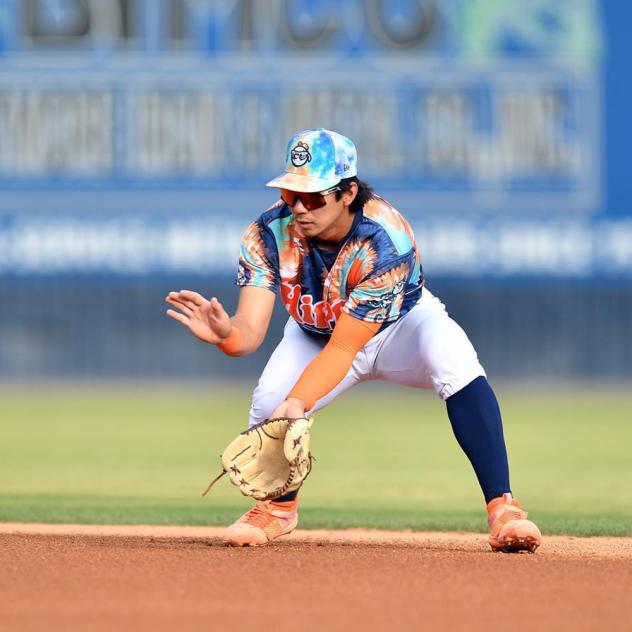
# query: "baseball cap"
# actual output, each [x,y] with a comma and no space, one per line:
[315,160]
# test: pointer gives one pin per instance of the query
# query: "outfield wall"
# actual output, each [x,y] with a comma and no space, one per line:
[136,137]
[556,330]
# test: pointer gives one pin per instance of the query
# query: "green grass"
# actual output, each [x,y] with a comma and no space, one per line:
[115,456]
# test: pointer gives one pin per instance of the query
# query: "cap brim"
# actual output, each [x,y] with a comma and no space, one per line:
[305,184]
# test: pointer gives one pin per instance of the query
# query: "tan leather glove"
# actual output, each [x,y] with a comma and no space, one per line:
[270,459]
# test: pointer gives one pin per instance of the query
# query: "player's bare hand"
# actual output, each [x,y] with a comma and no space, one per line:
[207,320]
[291,408]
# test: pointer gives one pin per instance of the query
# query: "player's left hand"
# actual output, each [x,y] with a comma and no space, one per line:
[291,408]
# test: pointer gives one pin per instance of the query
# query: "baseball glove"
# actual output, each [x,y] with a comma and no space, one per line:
[270,459]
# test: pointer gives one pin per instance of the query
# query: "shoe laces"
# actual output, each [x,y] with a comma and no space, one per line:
[259,516]
[506,513]
[509,509]
[511,513]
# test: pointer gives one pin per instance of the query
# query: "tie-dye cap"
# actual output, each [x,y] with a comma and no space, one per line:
[315,160]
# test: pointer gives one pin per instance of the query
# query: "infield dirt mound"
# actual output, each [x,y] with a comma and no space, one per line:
[70,577]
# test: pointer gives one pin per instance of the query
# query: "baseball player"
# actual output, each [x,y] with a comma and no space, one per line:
[349,273]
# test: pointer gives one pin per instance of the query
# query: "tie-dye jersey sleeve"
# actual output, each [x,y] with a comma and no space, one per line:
[256,260]
[379,298]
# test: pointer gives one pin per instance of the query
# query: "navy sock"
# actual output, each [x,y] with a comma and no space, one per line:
[478,427]
[289,496]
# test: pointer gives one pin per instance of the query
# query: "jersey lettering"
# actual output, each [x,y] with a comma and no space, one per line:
[306,309]
[290,295]
[303,310]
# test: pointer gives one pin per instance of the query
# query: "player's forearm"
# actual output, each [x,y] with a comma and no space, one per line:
[330,366]
[322,374]
[250,322]
[243,339]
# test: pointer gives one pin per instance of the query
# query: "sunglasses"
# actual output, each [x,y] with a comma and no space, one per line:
[311,201]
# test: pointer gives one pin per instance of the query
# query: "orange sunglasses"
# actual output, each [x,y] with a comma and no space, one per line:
[311,201]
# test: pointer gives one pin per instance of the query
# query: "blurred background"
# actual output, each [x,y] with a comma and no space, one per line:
[136,137]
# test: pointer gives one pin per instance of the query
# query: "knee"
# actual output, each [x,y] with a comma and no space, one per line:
[453,363]
[264,401]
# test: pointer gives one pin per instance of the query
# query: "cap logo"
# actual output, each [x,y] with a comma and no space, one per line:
[300,154]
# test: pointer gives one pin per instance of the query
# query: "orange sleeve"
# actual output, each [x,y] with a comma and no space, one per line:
[328,368]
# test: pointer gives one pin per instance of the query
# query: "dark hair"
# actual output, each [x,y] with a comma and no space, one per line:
[365,192]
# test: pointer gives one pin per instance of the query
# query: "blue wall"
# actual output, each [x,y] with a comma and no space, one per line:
[543,332]
[133,154]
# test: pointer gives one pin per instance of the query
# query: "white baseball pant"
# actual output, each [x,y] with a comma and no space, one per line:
[424,349]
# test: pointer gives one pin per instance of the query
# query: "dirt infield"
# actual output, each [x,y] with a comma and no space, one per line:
[61,577]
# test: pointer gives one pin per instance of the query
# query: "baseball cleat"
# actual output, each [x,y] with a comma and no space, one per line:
[266,521]
[509,529]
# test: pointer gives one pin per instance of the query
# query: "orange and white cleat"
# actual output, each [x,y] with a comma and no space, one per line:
[266,521]
[509,529]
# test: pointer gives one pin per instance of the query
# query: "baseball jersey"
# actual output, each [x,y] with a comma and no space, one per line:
[376,273]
